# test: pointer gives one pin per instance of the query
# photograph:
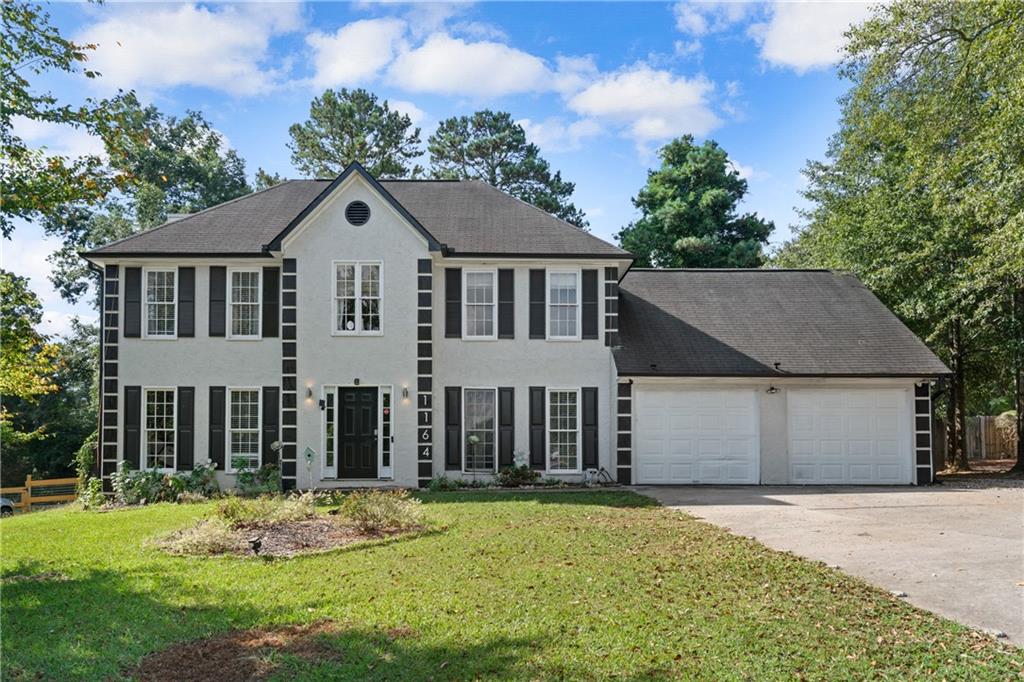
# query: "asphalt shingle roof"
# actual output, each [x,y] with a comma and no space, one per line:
[741,322]
[469,217]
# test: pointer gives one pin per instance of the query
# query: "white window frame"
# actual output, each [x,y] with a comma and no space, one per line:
[144,456]
[493,272]
[229,466]
[578,272]
[579,430]
[259,305]
[463,436]
[145,303]
[358,264]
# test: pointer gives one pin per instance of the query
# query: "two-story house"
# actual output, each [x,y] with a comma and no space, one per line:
[363,333]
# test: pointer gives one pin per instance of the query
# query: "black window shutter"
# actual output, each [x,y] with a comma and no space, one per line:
[132,424]
[271,301]
[506,426]
[218,299]
[537,413]
[217,408]
[537,302]
[453,303]
[453,428]
[271,419]
[506,304]
[186,301]
[590,428]
[589,298]
[186,419]
[132,303]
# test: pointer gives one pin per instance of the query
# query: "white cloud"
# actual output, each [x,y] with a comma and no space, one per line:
[749,173]
[698,19]
[651,104]
[807,35]
[158,46]
[687,48]
[57,139]
[415,114]
[555,135]
[447,65]
[356,52]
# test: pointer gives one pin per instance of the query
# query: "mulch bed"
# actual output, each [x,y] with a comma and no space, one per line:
[239,655]
[289,538]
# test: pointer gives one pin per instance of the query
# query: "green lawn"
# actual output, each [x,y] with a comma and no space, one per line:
[512,586]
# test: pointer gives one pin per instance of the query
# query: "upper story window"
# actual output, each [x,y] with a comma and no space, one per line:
[158,433]
[161,303]
[481,304]
[357,298]
[563,304]
[245,304]
[244,428]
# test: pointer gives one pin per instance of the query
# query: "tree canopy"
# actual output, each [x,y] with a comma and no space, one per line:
[353,125]
[491,146]
[33,181]
[922,193]
[688,213]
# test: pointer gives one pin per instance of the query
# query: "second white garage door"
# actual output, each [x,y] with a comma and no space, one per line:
[696,436]
[859,436]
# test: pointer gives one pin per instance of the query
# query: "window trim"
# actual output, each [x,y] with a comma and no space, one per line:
[144,455]
[465,304]
[359,297]
[463,429]
[231,305]
[579,430]
[229,466]
[578,272]
[145,303]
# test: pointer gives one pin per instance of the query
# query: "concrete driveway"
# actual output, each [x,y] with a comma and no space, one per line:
[956,552]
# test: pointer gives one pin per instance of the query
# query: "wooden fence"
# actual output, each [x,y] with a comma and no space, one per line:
[985,440]
[43,491]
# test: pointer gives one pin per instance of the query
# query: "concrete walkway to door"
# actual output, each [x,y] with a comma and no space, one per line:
[956,552]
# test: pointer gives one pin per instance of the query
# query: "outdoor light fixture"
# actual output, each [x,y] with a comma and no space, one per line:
[405,392]
[772,390]
[309,392]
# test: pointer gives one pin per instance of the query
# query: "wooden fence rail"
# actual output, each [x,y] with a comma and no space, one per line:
[41,491]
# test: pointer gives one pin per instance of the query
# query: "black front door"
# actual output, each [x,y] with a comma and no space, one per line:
[357,432]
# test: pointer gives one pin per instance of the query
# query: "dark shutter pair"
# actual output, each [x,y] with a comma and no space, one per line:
[538,427]
[453,303]
[271,296]
[270,417]
[185,290]
[538,304]
[453,427]
[184,420]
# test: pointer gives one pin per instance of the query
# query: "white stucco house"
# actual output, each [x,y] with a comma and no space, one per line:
[363,333]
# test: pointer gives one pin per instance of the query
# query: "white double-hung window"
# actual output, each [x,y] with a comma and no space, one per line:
[243,428]
[244,308]
[481,307]
[563,304]
[564,430]
[158,429]
[357,298]
[161,303]
[479,432]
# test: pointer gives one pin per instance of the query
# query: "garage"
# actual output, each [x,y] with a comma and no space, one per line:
[844,436]
[696,436]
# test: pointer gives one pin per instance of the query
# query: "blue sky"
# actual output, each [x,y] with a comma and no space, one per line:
[598,86]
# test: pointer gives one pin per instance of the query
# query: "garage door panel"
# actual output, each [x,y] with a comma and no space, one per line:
[849,436]
[705,436]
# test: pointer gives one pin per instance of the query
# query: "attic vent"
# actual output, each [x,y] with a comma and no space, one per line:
[357,213]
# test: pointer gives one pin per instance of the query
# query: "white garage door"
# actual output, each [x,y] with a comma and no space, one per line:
[696,436]
[849,436]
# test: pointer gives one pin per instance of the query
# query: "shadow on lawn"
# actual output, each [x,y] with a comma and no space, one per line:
[65,626]
[593,498]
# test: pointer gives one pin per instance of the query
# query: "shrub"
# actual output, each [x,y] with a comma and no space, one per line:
[516,476]
[188,497]
[441,483]
[147,486]
[209,536]
[238,512]
[202,480]
[85,458]
[262,481]
[90,494]
[374,511]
